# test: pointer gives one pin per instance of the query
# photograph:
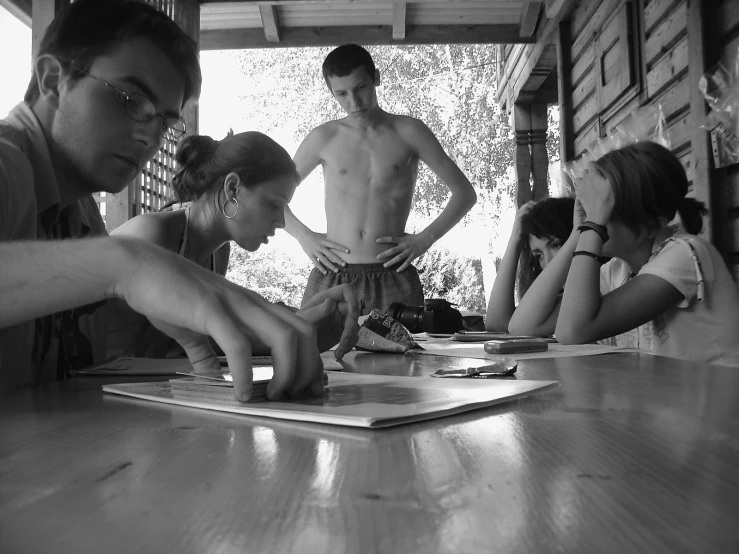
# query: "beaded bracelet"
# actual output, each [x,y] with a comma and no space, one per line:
[590,226]
[586,253]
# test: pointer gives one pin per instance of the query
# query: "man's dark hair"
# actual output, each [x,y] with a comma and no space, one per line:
[87,29]
[346,58]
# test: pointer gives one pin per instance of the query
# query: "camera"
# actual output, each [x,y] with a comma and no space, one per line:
[417,319]
[435,316]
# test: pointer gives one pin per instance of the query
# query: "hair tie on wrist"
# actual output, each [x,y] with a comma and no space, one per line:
[589,254]
[590,226]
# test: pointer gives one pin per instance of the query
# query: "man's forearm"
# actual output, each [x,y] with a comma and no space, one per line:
[44,277]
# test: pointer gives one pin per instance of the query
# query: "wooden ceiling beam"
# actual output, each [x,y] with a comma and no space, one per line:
[19,8]
[498,3]
[399,21]
[270,23]
[529,17]
[226,39]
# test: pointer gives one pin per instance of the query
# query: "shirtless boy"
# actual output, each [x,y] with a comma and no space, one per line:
[370,165]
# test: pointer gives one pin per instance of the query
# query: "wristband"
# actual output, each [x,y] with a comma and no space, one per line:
[586,253]
[590,226]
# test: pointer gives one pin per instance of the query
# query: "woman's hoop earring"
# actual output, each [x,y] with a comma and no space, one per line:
[223,208]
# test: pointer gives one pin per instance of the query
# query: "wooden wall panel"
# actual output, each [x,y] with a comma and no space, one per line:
[593,24]
[585,113]
[675,99]
[583,140]
[670,29]
[655,11]
[670,66]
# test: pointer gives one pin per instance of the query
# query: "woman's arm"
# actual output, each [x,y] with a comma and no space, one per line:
[538,310]
[502,303]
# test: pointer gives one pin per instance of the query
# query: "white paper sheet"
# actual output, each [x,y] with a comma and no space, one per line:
[170,366]
[361,400]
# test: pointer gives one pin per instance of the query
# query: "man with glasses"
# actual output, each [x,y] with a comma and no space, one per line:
[108,85]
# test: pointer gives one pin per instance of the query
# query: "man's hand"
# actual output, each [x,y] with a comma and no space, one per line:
[407,248]
[320,250]
[335,313]
[186,302]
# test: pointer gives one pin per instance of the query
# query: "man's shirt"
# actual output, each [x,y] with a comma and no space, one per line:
[46,349]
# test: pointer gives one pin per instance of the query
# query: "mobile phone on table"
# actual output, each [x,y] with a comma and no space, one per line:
[514,346]
[482,336]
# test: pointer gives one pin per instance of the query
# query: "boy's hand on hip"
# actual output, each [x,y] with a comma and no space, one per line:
[320,250]
[407,248]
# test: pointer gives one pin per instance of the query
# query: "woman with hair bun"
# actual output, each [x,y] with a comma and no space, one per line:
[665,290]
[235,189]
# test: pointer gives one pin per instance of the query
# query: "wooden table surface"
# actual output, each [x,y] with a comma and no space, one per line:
[632,453]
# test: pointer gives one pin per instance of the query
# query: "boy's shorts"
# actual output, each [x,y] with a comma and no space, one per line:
[376,285]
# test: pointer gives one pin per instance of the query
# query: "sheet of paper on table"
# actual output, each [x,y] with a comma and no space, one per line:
[445,347]
[353,399]
[171,366]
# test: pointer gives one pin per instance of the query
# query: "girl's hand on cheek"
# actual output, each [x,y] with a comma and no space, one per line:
[596,195]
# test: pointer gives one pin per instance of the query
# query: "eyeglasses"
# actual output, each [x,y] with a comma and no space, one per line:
[141,109]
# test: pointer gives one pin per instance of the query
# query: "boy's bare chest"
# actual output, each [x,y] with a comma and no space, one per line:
[379,157]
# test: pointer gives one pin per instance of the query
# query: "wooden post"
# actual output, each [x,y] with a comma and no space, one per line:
[564,91]
[42,14]
[703,51]
[523,165]
[539,158]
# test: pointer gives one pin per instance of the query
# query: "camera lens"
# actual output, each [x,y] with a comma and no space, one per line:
[411,317]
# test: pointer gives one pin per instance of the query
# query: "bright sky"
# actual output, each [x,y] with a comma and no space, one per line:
[15,38]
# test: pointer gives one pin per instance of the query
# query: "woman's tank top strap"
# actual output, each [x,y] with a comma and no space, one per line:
[183,243]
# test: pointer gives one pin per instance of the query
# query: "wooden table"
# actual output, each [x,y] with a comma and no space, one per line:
[633,453]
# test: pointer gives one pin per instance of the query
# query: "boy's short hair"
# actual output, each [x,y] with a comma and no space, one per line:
[87,29]
[346,58]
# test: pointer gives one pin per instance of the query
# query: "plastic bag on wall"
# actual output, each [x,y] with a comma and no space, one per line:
[646,123]
[720,88]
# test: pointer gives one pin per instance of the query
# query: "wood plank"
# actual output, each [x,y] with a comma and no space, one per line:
[593,25]
[622,113]
[585,114]
[373,35]
[655,11]
[702,49]
[687,160]
[584,89]
[730,188]
[556,9]
[564,91]
[43,13]
[584,139]
[668,32]
[584,63]
[20,9]
[671,66]
[529,17]
[680,133]
[270,23]
[732,232]
[675,99]
[728,17]
[399,10]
